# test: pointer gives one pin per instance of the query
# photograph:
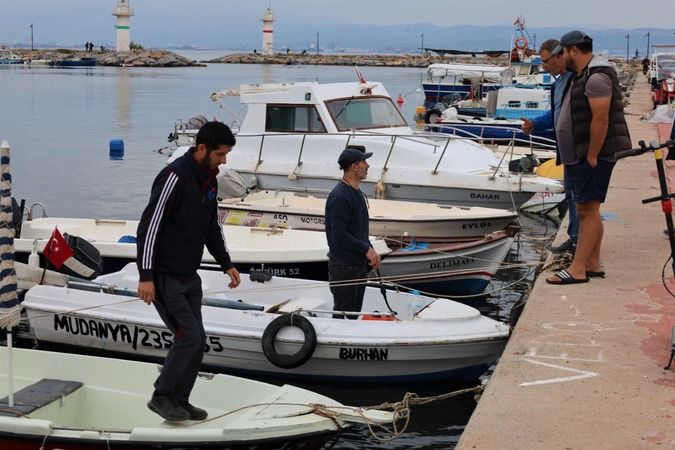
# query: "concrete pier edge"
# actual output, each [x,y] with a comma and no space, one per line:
[584,368]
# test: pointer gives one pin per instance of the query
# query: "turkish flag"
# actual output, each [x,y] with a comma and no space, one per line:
[57,250]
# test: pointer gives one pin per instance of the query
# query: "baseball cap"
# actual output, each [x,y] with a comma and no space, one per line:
[350,155]
[574,37]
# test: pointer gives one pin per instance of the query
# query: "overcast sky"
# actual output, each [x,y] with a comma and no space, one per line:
[78,20]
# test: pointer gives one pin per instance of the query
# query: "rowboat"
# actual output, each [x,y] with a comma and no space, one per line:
[68,401]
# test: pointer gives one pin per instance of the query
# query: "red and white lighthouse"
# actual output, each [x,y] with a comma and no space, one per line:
[268,33]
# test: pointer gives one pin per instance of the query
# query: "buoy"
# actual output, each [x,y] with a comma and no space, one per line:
[399,101]
[116,149]
[420,112]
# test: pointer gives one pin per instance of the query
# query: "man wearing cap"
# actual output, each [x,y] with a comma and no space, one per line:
[590,130]
[349,249]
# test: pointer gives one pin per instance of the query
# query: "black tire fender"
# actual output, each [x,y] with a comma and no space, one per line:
[296,359]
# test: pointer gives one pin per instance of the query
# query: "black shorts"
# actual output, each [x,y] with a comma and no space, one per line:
[589,183]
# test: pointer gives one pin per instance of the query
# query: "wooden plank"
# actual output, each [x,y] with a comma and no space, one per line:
[37,395]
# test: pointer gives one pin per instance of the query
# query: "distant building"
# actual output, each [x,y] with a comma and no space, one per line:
[123,12]
[268,33]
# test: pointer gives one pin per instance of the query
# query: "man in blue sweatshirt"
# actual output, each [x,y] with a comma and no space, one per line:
[349,249]
[555,65]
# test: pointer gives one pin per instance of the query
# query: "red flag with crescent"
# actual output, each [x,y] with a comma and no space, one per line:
[57,250]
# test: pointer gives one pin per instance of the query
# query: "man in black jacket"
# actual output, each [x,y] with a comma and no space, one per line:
[349,249]
[180,218]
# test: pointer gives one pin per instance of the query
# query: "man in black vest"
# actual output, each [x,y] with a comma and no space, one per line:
[590,130]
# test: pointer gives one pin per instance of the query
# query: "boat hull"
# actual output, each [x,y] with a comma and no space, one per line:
[435,339]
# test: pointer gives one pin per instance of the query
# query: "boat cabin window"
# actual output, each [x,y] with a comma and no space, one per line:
[358,113]
[531,105]
[513,104]
[293,118]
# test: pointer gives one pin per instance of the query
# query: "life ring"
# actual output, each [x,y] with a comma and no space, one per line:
[521,43]
[296,359]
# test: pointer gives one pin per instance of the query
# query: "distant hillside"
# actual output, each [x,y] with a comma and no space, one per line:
[366,38]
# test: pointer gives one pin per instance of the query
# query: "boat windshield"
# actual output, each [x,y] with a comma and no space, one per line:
[359,113]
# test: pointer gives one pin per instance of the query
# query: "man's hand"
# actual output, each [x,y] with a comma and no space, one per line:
[592,160]
[527,126]
[235,279]
[146,291]
[373,258]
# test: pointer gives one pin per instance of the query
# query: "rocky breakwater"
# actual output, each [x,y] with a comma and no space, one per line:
[137,58]
[340,60]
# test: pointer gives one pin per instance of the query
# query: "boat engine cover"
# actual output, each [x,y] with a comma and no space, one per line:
[86,254]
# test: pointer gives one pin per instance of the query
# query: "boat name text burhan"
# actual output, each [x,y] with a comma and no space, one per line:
[478,195]
[450,263]
[132,335]
[313,220]
[476,225]
[365,354]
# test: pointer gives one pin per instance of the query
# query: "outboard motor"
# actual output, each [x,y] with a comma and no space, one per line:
[87,261]
[526,164]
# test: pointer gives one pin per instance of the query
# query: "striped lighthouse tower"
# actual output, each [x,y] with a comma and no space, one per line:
[268,33]
[123,12]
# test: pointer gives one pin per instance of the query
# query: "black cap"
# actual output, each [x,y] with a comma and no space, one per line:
[570,38]
[352,154]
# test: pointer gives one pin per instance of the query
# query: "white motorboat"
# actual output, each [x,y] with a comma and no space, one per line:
[292,253]
[448,83]
[63,400]
[446,269]
[399,220]
[425,339]
[293,134]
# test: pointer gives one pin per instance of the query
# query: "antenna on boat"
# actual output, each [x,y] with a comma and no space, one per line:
[366,89]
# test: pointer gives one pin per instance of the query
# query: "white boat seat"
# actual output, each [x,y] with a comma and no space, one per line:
[37,395]
[305,303]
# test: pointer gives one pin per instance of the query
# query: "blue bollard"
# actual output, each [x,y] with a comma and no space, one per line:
[116,149]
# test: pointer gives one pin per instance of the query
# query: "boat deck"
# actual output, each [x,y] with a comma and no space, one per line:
[585,366]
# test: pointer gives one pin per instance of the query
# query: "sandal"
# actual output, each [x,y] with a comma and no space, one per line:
[566,278]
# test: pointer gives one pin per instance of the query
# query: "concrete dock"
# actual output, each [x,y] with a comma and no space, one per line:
[584,368]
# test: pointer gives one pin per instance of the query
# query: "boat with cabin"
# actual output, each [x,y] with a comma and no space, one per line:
[9,57]
[293,133]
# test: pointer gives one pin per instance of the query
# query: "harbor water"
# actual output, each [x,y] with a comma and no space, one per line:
[59,122]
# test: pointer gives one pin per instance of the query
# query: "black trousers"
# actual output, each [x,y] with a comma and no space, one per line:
[179,304]
[349,297]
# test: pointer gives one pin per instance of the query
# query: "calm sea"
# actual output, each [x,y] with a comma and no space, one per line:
[59,122]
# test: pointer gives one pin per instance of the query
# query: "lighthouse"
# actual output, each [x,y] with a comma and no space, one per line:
[123,12]
[268,33]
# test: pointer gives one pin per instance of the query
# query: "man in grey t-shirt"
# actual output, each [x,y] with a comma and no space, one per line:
[591,128]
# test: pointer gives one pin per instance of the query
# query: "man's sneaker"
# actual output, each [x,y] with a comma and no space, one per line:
[195,413]
[567,246]
[168,408]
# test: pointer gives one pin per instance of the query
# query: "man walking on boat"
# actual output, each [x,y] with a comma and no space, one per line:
[590,130]
[179,220]
[349,249]
[555,65]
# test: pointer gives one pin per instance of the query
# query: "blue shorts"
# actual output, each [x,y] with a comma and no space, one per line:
[589,183]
